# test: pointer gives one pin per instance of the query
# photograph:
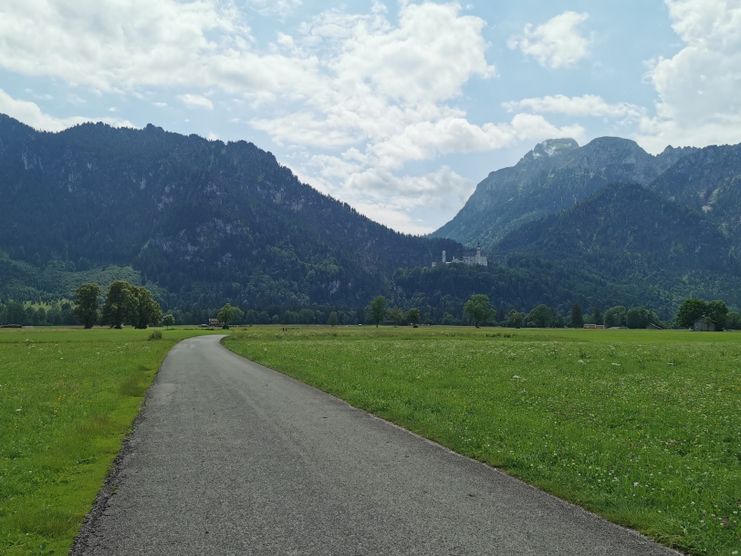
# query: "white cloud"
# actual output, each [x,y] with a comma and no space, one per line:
[387,198]
[395,218]
[279,8]
[384,103]
[698,88]
[428,57]
[355,97]
[434,188]
[196,101]
[579,106]
[307,128]
[428,139]
[29,113]
[118,45]
[557,43]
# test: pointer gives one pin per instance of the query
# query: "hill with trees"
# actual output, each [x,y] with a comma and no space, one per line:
[197,221]
[631,235]
[708,181]
[202,223]
[613,222]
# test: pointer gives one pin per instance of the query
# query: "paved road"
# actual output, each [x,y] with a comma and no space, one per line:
[232,458]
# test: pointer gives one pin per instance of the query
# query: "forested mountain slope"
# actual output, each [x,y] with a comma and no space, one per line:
[203,220]
[708,180]
[634,236]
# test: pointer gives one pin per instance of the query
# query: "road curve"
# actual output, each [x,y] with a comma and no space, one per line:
[229,457]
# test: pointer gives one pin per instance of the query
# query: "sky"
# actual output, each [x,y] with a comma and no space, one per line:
[396,107]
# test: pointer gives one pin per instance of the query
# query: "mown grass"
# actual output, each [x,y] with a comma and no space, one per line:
[67,399]
[642,427]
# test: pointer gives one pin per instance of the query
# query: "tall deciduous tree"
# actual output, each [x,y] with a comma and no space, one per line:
[413,316]
[477,308]
[577,317]
[637,317]
[615,316]
[129,304]
[689,311]
[168,319]
[229,314]
[596,316]
[145,309]
[717,311]
[733,320]
[86,304]
[377,309]
[119,304]
[396,316]
[541,316]
[515,319]
[332,320]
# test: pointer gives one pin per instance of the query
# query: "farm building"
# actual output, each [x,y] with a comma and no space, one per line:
[704,324]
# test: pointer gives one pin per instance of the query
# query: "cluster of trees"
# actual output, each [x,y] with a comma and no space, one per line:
[378,313]
[37,314]
[229,314]
[716,311]
[233,315]
[332,316]
[124,304]
[477,310]
[128,304]
[617,316]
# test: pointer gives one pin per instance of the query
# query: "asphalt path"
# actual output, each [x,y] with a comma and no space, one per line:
[229,457]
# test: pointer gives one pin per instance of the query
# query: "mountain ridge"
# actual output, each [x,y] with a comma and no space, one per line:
[540,185]
[206,220]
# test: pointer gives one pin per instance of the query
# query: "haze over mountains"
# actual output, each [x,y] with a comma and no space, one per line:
[204,222]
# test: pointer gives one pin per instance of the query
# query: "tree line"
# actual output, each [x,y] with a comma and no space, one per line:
[128,304]
[478,311]
[59,313]
[125,304]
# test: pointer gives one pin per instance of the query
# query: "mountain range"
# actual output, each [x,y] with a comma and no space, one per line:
[666,224]
[201,221]
[552,177]
[204,222]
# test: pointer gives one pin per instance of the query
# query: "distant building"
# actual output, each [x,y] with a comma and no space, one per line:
[472,258]
[704,324]
[214,323]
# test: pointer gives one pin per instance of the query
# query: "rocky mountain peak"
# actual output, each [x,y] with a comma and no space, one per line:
[551,147]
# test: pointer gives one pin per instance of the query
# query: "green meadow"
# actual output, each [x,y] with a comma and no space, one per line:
[642,427]
[67,400]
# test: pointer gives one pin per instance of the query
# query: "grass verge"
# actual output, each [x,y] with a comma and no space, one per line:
[67,400]
[641,427]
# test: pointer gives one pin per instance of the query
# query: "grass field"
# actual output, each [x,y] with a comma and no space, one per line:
[642,427]
[67,400]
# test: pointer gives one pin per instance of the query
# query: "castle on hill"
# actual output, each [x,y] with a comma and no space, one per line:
[471,259]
